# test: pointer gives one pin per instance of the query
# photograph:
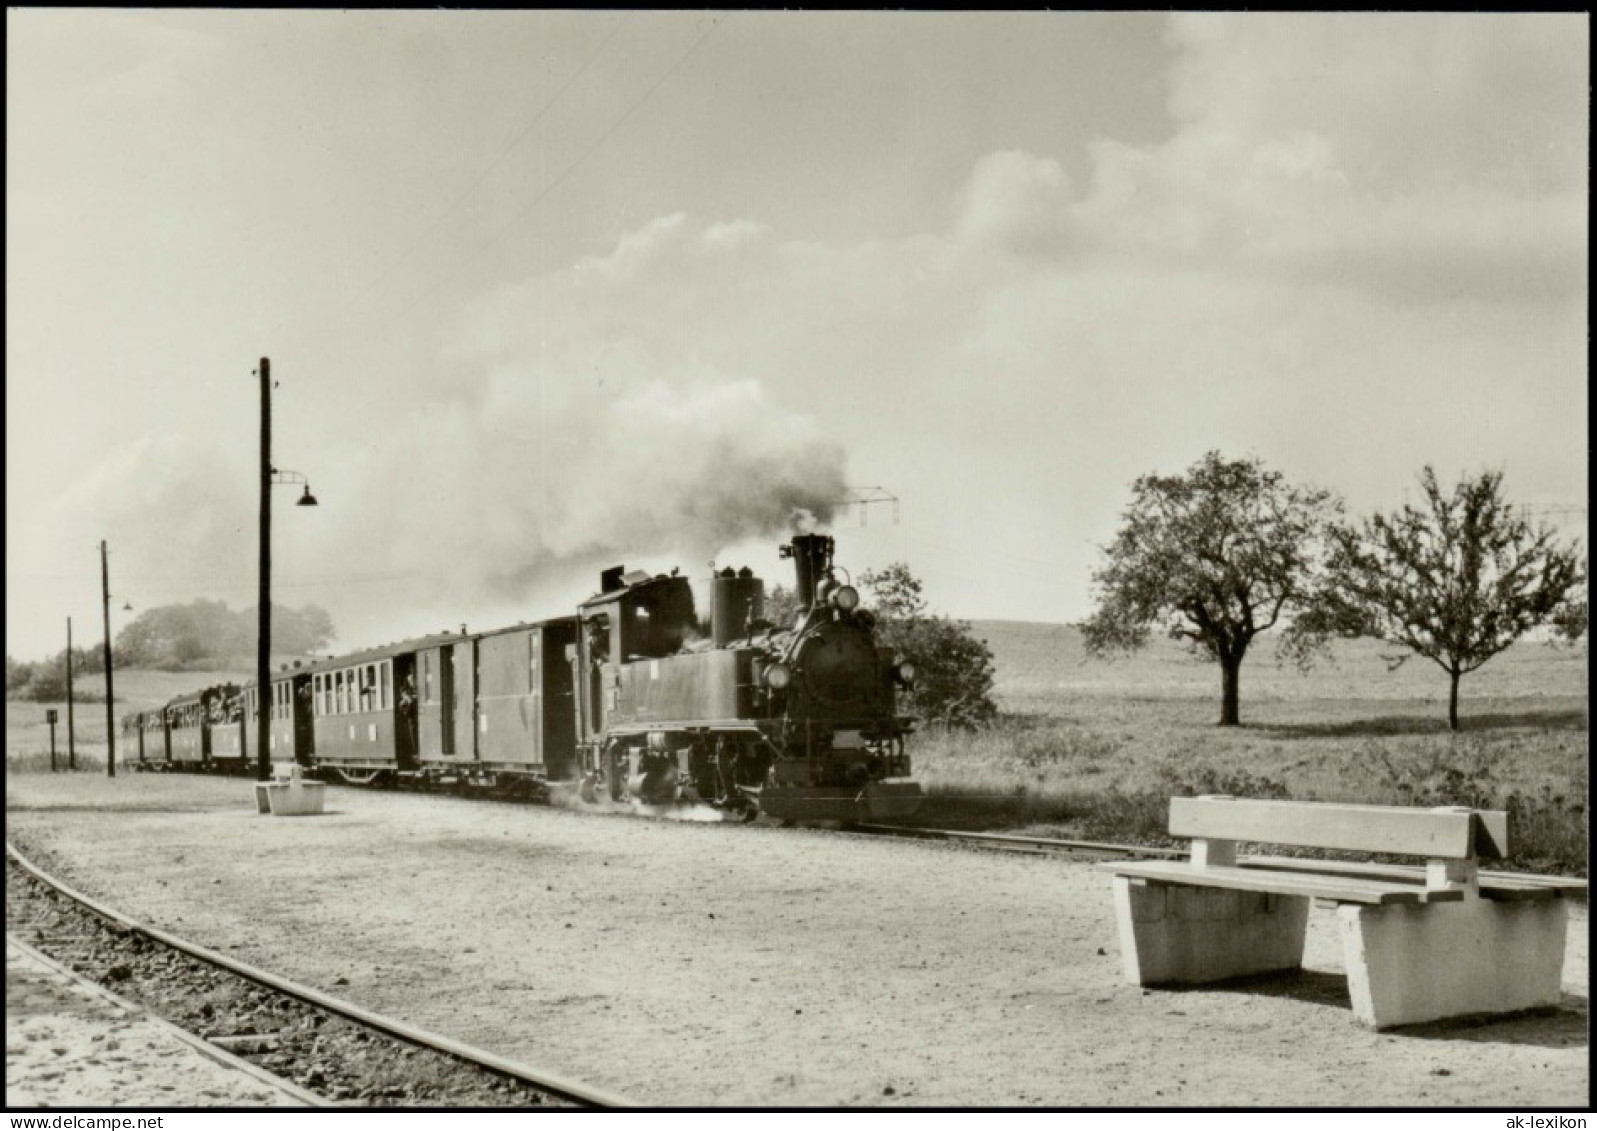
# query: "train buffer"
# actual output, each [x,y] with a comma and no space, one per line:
[288,794]
[1423,941]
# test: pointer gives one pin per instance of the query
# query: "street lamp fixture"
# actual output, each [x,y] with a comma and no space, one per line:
[281,477]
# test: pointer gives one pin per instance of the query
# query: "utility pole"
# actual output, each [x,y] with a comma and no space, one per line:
[49,717]
[72,742]
[110,709]
[263,634]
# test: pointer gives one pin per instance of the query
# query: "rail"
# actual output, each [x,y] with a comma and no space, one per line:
[538,1078]
[1023,843]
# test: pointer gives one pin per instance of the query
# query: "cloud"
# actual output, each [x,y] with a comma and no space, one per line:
[176,516]
[1360,248]
[1417,158]
[1017,201]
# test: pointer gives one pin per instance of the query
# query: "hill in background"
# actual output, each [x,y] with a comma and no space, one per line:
[1042,668]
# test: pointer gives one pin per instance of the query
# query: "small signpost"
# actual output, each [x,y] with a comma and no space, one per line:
[50,717]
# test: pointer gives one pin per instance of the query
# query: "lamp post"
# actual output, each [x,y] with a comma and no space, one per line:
[72,738]
[263,635]
[110,709]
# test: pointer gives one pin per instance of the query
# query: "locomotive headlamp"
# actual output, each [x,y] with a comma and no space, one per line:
[905,673]
[778,676]
[846,598]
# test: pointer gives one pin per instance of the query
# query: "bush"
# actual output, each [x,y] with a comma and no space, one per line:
[954,677]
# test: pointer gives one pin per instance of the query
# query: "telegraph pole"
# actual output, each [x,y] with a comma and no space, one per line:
[263,634]
[72,743]
[110,709]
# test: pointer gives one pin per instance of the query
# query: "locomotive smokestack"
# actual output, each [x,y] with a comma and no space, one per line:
[812,558]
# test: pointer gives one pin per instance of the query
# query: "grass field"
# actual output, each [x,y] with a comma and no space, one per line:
[28,735]
[1094,749]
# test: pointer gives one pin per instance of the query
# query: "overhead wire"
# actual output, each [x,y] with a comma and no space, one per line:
[543,193]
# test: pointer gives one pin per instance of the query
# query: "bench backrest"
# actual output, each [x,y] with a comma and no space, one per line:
[1439,834]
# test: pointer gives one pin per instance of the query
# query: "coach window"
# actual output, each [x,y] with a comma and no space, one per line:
[369,692]
[427,677]
[385,698]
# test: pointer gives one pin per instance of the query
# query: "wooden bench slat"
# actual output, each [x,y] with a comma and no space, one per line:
[1433,833]
[1348,889]
[1493,885]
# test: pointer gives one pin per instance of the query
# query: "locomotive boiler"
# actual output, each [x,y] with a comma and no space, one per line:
[797,721]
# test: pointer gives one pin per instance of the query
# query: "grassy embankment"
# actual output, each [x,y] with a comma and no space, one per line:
[1095,750]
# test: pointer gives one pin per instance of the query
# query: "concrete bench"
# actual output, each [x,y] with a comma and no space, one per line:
[1422,941]
[288,794]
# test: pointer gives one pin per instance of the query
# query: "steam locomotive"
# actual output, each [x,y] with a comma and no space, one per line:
[633,699]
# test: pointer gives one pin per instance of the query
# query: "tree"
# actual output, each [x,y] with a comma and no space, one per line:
[18,673]
[954,670]
[181,636]
[781,606]
[1456,580]
[1217,555]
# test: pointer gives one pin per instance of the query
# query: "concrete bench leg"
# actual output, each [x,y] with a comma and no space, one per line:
[1180,933]
[1412,963]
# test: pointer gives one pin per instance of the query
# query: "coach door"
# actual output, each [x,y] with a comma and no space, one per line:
[463,676]
[435,723]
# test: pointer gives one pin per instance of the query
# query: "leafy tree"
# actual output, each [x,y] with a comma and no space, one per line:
[1456,580]
[182,636]
[781,606]
[45,681]
[1216,555]
[18,674]
[954,669]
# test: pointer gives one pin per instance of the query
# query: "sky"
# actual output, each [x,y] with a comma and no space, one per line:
[544,292]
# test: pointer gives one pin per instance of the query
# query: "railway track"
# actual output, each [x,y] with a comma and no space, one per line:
[329,1047]
[1031,844]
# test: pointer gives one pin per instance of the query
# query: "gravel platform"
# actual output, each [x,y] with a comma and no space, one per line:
[70,1045]
[700,964]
